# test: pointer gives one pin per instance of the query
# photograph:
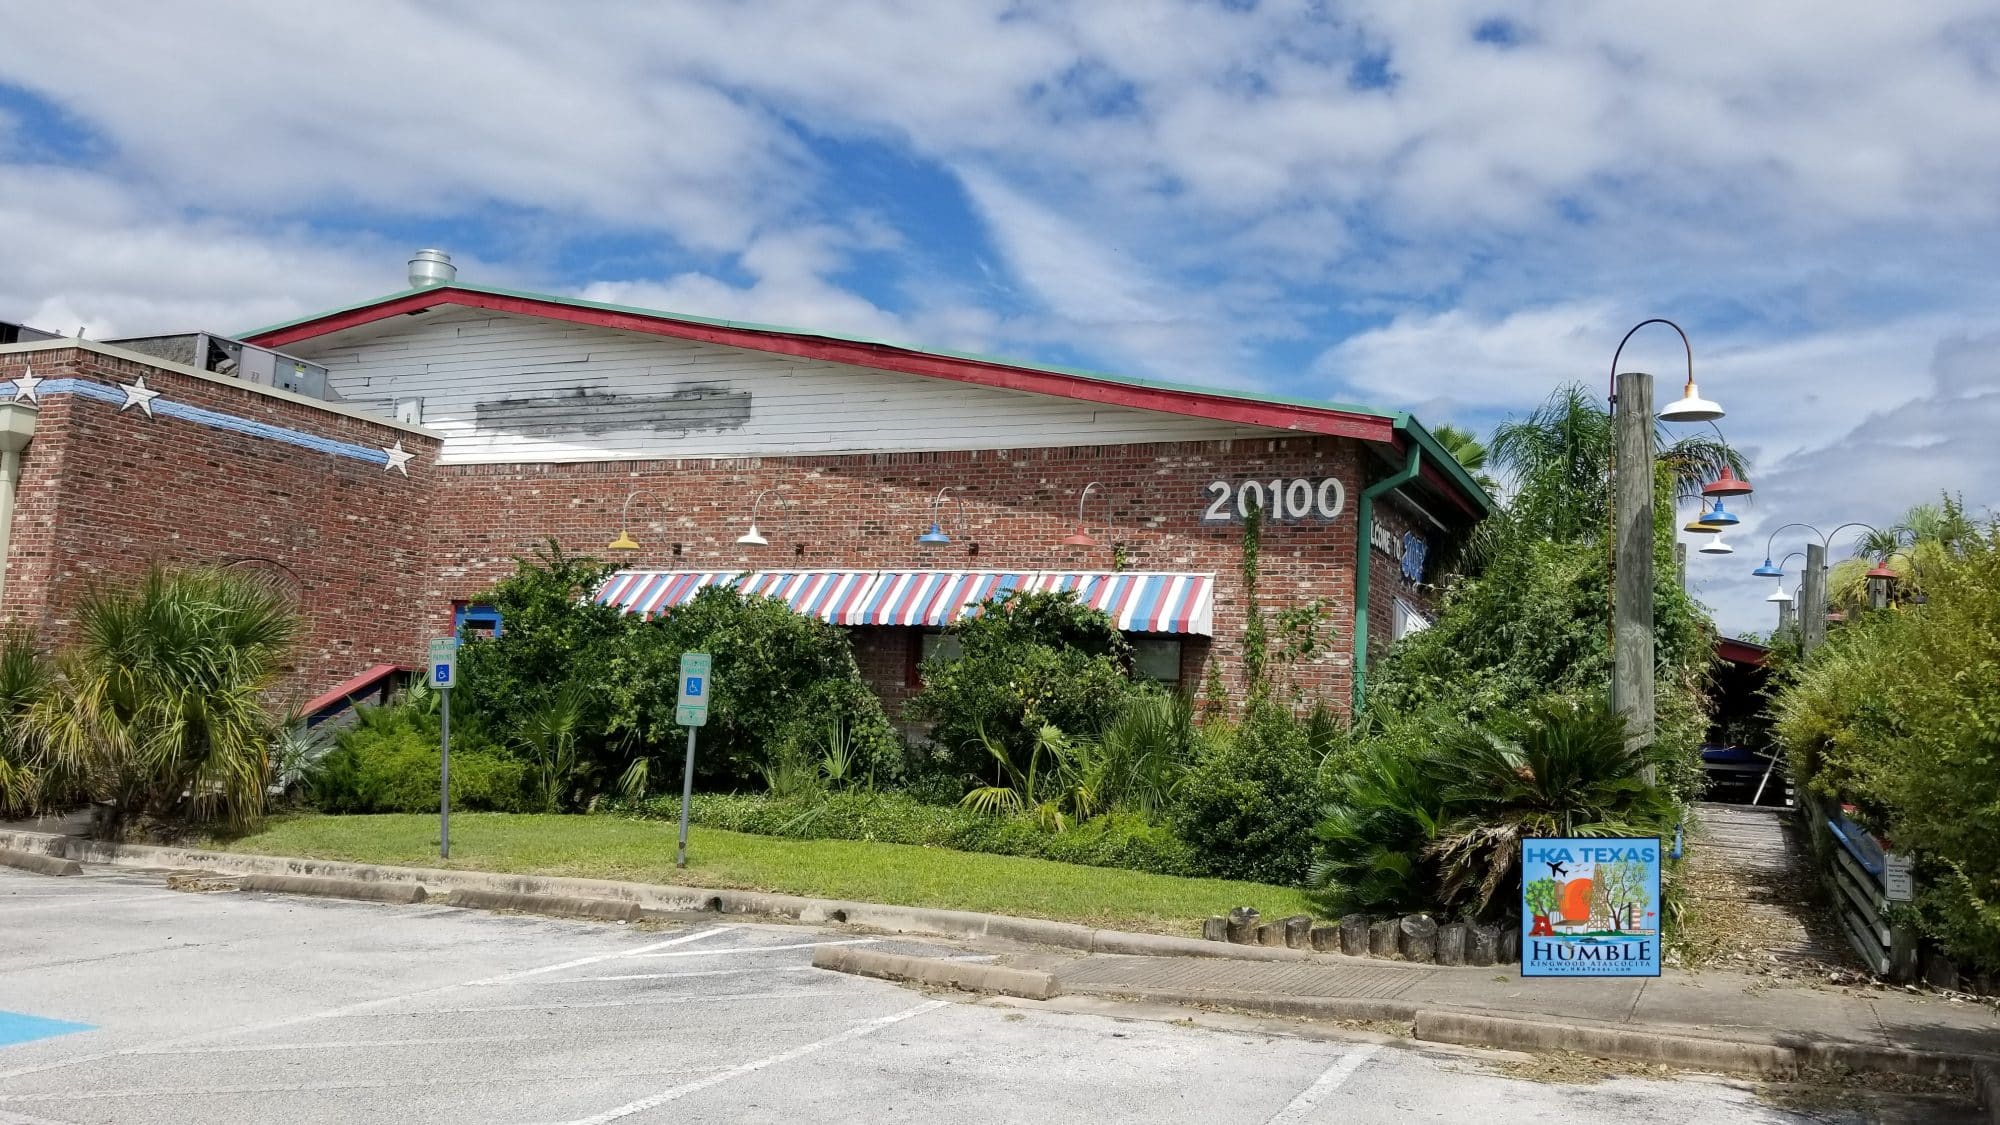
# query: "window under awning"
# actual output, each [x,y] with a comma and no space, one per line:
[1140,602]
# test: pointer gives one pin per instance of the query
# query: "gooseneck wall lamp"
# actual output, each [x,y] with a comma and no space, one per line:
[753,537]
[936,535]
[1081,537]
[625,542]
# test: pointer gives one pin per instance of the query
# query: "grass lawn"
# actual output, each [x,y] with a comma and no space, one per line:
[611,847]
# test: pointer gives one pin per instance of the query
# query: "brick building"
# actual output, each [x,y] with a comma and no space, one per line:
[437,433]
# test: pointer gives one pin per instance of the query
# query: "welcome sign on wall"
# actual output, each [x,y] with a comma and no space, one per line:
[1590,907]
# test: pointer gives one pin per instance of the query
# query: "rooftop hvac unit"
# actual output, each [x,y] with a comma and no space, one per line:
[236,359]
[22,334]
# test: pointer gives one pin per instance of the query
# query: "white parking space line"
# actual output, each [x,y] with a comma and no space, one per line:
[1309,1098]
[690,973]
[362,1006]
[642,951]
[649,1002]
[7,1118]
[343,1044]
[859,1030]
[760,948]
[426,1081]
[55,901]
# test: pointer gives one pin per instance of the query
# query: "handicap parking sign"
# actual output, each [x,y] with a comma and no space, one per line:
[692,709]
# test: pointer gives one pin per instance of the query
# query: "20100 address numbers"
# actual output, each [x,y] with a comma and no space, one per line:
[1297,498]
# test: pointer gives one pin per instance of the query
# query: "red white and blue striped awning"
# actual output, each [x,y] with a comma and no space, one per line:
[1138,602]
[826,594]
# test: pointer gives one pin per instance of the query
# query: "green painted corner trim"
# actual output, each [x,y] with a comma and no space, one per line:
[1364,558]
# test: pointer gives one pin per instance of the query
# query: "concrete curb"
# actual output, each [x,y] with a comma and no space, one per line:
[1986,1084]
[1470,1030]
[1262,1003]
[40,863]
[564,906]
[1028,984]
[398,893]
[653,898]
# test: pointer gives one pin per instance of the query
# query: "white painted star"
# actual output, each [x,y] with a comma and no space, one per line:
[139,395]
[24,387]
[399,458]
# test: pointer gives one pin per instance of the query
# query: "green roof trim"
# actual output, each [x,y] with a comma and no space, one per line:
[1407,423]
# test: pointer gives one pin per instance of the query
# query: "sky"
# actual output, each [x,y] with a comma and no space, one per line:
[1449,208]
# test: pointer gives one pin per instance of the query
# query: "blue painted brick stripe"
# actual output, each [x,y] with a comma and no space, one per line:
[213,419]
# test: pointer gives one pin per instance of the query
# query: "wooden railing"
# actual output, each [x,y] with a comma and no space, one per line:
[1863,882]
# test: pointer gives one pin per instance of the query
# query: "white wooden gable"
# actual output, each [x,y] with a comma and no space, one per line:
[504,387]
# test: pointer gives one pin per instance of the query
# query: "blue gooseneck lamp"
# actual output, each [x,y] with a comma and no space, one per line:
[936,534]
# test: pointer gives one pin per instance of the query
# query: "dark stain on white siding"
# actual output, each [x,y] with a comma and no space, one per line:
[689,408]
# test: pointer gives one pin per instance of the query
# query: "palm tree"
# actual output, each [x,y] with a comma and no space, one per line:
[1924,535]
[24,680]
[1468,451]
[1560,459]
[157,709]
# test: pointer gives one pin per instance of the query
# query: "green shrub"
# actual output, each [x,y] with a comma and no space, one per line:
[1899,713]
[780,678]
[1027,661]
[1249,803]
[1430,815]
[1113,840]
[389,762]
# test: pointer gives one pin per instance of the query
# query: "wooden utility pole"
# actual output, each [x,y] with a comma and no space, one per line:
[1785,621]
[1632,524]
[1812,600]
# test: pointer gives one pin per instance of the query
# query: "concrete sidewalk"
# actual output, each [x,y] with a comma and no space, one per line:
[1707,1005]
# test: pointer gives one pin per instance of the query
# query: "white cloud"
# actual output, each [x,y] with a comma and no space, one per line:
[1169,187]
[82,251]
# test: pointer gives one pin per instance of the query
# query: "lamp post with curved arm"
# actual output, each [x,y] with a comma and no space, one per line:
[1632,528]
[1812,588]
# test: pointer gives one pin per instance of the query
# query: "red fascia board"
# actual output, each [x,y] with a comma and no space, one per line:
[1741,652]
[881,357]
[1446,487]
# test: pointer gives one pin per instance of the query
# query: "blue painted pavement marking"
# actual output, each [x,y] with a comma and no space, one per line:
[18,1028]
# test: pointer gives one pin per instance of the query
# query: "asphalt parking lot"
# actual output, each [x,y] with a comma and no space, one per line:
[122,1000]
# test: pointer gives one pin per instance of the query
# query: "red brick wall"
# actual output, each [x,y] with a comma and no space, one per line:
[105,492]
[1007,509]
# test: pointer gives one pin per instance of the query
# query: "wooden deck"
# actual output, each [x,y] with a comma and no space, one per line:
[1751,866]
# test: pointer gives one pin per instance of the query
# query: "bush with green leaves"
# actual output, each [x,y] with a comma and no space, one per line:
[612,680]
[1253,793]
[552,635]
[1898,712]
[24,681]
[389,762]
[1431,813]
[1027,661]
[1536,622]
[779,679]
[1127,840]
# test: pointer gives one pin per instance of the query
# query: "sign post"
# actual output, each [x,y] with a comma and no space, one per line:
[444,676]
[692,713]
[1590,907]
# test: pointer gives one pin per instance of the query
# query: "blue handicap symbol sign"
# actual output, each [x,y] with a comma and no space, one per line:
[443,673]
[694,685]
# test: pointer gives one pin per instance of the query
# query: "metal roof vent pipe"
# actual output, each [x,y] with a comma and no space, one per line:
[429,268]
